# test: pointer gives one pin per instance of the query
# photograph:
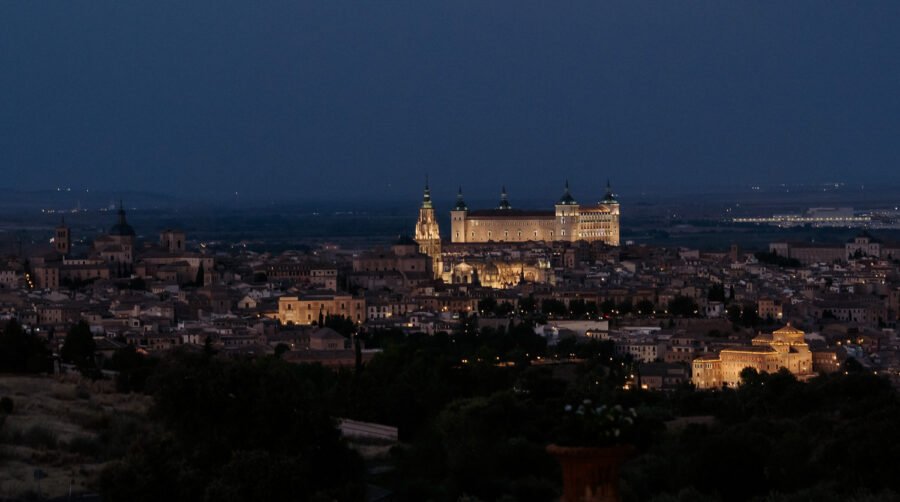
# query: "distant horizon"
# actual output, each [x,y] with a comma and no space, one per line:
[474,195]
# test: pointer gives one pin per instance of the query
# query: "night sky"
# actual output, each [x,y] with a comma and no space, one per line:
[329,99]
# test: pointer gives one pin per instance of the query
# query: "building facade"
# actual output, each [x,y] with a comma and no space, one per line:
[568,221]
[784,348]
[315,308]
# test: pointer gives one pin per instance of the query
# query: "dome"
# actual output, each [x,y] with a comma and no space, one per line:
[788,334]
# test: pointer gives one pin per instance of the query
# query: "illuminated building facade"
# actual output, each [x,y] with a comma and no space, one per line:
[314,308]
[569,221]
[784,348]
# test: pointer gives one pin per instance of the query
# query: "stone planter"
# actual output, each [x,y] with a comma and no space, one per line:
[590,474]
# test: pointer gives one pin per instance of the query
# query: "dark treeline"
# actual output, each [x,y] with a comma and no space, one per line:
[475,414]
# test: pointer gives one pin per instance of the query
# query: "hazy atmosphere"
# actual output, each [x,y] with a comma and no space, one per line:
[360,99]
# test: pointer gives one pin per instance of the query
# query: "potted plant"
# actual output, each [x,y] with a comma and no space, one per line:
[591,443]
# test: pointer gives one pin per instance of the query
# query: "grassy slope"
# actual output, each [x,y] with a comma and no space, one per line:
[66,428]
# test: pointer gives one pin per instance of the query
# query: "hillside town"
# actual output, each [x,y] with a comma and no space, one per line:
[682,315]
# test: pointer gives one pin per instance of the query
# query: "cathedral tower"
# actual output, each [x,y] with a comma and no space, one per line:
[428,235]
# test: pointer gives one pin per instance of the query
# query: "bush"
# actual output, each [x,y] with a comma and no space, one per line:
[39,436]
[86,446]
[81,392]
[6,405]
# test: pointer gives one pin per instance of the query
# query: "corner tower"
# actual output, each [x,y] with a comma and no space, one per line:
[428,235]
[458,216]
[567,212]
[610,201]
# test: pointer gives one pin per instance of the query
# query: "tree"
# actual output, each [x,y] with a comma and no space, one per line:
[608,307]
[237,430]
[734,313]
[22,352]
[527,305]
[281,349]
[341,324]
[134,369]
[201,276]
[487,305]
[716,293]
[504,309]
[577,308]
[78,347]
[644,307]
[683,306]
[553,307]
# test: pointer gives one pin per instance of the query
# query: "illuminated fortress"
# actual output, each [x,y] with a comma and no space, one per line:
[569,221]
[456,262]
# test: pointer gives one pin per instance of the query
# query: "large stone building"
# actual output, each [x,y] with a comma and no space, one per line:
[784,348]
[314,308]
[569,221]
[863,245]
[458,262]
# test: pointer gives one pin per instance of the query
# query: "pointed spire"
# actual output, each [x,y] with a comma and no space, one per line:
[426,197]
[460,203]
[122,228]
[566,198]
[504,200]
[609,198]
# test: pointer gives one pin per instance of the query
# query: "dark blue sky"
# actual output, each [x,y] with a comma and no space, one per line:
[298,99]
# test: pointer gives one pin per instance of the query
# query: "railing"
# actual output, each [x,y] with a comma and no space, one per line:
[353,428]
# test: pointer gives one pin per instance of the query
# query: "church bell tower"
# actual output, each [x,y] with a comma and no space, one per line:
[428,236]
[63,239]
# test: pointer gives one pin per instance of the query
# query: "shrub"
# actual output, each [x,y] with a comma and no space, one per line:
[85,445]
[39,436]
[6,405]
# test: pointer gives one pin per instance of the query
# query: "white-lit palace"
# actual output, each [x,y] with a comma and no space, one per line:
[568,221]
